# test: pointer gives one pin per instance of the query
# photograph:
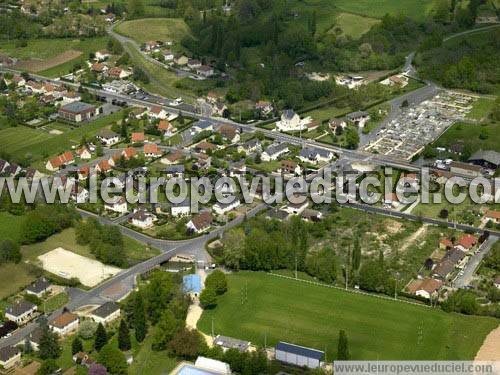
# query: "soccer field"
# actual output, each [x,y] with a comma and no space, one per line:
[258,305]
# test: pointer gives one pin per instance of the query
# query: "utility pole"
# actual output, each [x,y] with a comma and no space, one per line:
[347,267]
[213,335]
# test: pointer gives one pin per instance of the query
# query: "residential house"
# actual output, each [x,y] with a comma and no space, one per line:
[205,147]
[335,123]
[264,107]
[70,97]
[487,159]
[315,155]
[102,55]
[99,68]
[253,145]
[117,204]
[10,356]
[296,206]
[84,153]
[83,172]
[391,200]
[203,125]
[291,121]
[79,194]
[200,222]
[205,71]
[78,112]
[108,137]
[175,171]
[129,153]
[493,215]
[289,167]
[118,73]
[181,209]
[35,337]
[152,46]
[39,287]
[138,113]
[466,242]
[56,163]
[181,60]
[193,64]
[230,132]
[137,137]
[219,109]
[64,324]
[166,128]
[21,312]
[224,208]
[143,219]
[464,169]
[158,113]
[168,55]
[425,288]
[106,313]
[151,150]
[18,80]
[103,166]
[12,169]
[173,157]
[33,174]
[453,258]
[358,118]
[445,244]
[274,151]
[83,359]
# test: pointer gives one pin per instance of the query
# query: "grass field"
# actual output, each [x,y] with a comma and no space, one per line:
[311,315]
[417,9]
[55,302]
[10,226]
[481,109]
[473,136]
[49,56]
[22,142]
[354,25]
[162,29]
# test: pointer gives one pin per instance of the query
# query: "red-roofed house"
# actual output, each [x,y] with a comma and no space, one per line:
[137,137]
[445,243]
[56,163]
[158,112]
[129,153]
[166,127]
[151,150]
[103,166]
[83,172]
[467,242]
[493,215]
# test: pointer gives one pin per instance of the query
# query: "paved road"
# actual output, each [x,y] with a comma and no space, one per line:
[470,268]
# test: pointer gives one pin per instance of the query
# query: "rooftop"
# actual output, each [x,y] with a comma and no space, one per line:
[300,350]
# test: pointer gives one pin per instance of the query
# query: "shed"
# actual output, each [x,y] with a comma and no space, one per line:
[298,355]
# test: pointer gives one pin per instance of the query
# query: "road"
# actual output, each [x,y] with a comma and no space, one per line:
[467,274]
[472,31]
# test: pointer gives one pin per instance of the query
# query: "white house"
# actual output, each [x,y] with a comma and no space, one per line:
[205,71]
[38,288]
[425,288]
[108,137]
[106,313]
[9,357]
[168,55]
[158,113]
[21,312]
[223,208]
[102,55]
[291,121]
[201,222]
[274,151]
[84,153]
[181,209]
[79,194]
[118,204]
[64,324]
[315,155]
[250,146]
[143,219]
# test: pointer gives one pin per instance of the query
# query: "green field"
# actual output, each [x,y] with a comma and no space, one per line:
[417,9]
[162,29]
[55,302]
[312,315]
[481,109]
[474,137]
[22,142]
[354,25]
[10,226]
[47,49]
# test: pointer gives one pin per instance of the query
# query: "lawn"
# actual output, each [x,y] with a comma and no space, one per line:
[417,9]
[162,29]
[310,315]
[10,226]
[474,137]
[355,25]
[47,56]
[55,302]
[481,109]
[326,113]
[22,142]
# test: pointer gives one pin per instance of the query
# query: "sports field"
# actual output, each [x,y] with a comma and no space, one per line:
[258,304]
[162,29]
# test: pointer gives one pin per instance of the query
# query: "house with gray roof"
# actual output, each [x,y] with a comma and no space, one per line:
[299,355]
[39,287]
[78,112]
[274,151]
[227,343]
[487,159]
[106,313]
[21,312]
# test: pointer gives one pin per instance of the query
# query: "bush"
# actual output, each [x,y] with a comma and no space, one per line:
[217,281]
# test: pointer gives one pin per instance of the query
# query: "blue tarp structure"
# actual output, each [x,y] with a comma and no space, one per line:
[191,283]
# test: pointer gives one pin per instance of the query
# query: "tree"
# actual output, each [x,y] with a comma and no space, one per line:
[140,323]
[343,350]
[187,344]
[443,214]
[165,330]
[135,8]
[97,369]
[49,345]
[76,345]
[124,337]
[9,251]
[113,359]
[217,281]
[87,329]
[48,367]
[98,150]
[208,298]
[101,337]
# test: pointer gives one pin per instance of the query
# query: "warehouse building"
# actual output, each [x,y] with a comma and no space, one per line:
[299,355]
